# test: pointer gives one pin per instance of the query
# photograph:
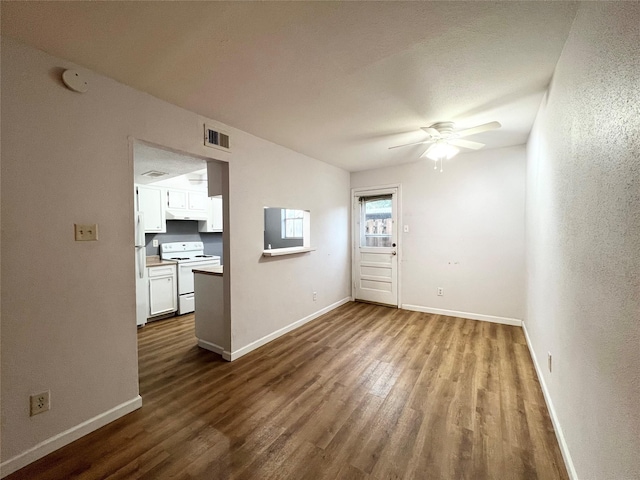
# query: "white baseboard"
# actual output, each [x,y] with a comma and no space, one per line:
[278,333]
[212,347]
[564,448]
[60,440]
[472,316]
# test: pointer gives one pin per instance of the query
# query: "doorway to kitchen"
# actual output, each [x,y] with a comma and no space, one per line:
[178,224]
[180,211]
[375,245]
[180,216]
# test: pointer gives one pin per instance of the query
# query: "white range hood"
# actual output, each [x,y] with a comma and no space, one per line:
[185,215]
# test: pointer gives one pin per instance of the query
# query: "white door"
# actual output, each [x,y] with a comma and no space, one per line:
[177,199]
[162,295]
[198,201]
[375,246]
[150,204]
[214,216]
[216,213]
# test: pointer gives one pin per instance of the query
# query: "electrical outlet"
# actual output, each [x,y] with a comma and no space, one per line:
[155,242]
[440,291]
[315,296]
[550,361]
[39,403]
[86,232]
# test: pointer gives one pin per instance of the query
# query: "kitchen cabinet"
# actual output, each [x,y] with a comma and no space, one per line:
[163,291]
[177,199]
[187,200]
[214,216]
[150,203]
[211,325]
[197,201]
[186,205]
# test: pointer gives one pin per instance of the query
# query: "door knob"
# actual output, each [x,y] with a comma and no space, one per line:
[393,253]
[393,245]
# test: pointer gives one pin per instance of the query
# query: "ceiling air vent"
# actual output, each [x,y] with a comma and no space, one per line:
[216,139]
[154,174]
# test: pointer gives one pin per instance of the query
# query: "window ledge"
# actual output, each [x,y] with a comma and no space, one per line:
[275,252]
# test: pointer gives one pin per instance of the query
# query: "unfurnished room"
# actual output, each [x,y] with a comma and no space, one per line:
[320,240]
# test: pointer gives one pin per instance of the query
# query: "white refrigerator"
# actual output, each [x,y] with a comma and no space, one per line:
[142,307]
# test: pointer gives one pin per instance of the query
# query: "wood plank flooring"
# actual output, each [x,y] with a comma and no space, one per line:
[364,392]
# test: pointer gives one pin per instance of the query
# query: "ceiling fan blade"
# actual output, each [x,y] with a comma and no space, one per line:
[431,131]
[409,144]
[479,129]
[466,144]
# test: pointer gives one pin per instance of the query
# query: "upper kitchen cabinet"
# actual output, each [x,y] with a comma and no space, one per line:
[214,216]
[186,200]
[150,203]
[177,198]
[197,201]
[186,205]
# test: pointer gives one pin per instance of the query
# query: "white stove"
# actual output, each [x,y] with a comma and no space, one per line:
[188,256]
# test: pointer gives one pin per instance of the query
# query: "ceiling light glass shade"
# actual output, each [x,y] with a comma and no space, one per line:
[441,151]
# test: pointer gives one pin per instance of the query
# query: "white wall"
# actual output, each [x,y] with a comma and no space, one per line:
[269,293]
[466,232]
[583,242]
[68,308]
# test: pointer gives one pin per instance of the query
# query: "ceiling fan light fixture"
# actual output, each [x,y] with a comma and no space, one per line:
[441,151]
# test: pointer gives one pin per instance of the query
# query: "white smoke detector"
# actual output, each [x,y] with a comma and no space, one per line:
[75,81]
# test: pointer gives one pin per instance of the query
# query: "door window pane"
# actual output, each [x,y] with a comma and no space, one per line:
[377,225]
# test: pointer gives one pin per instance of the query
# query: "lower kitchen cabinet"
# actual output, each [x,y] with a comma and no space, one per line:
[163,290]
[211,325]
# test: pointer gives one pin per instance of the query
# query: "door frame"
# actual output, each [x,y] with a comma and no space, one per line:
[355,232]
[224,161]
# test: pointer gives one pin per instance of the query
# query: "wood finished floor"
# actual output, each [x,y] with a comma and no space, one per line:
[364,392]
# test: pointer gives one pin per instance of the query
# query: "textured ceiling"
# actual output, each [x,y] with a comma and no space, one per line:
[338,81]
[147,158]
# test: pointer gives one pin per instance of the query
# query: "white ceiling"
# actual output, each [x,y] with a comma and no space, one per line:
[147,158]
[338,81]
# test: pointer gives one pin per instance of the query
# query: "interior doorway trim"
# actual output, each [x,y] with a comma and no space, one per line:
[219,158]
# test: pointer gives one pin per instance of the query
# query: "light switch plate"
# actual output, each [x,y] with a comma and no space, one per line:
[86,232]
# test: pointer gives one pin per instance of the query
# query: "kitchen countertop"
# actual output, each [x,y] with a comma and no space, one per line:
[215,270]
[154,261]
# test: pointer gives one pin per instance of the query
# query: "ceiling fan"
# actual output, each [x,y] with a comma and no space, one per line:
[445,140]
